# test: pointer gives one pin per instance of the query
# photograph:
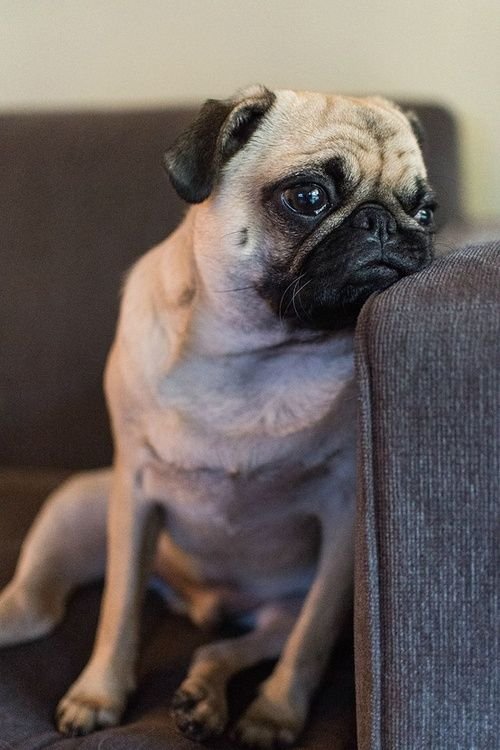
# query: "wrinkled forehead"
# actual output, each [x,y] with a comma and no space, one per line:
[362,140]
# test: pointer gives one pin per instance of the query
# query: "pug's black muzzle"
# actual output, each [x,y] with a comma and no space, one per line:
[367,253]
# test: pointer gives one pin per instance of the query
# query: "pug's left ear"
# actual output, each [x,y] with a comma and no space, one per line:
[221,128]
[416,126]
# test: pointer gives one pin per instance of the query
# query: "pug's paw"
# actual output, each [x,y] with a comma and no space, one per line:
[200,709]
[78,715]
[267,724]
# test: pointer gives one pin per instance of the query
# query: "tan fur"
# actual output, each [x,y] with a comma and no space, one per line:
[242,432]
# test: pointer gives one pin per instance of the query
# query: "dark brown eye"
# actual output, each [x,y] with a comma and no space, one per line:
[307,200]
[425,217]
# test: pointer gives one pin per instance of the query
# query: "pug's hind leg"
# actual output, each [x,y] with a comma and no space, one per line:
[277,715]
[200,704]
[65,547]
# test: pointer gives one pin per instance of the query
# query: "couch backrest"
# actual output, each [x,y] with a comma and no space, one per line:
[81,197]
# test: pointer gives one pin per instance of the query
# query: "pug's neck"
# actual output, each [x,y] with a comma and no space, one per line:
[228,314]
[172,315]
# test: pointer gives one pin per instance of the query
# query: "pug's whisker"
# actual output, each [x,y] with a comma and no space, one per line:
[295,285]
[308,317]
[295,291]
[237,289]
[296,295]
[231,234]
[282,300]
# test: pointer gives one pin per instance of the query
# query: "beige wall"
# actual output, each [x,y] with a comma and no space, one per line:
[87,53]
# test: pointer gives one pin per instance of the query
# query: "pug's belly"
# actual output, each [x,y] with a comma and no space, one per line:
[251,534]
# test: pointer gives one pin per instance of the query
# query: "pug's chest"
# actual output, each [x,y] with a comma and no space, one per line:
[255,397]
[240,454]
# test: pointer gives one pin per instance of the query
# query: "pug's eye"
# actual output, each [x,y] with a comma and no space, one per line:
[425,217]
[307,200]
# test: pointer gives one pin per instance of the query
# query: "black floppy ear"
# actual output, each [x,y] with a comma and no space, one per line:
[416,126]
[221,128]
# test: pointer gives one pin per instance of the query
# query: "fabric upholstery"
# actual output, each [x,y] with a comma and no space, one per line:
[428,562]
[82,196]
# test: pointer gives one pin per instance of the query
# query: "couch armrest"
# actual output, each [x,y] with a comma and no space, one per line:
[427,560]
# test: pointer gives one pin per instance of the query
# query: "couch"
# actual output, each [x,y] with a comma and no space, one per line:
[82,196]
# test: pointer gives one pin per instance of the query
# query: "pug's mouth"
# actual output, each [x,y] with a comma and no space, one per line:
[376,275]
[326,300]
[323,304]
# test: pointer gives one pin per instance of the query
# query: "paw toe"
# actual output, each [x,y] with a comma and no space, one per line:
[77,717]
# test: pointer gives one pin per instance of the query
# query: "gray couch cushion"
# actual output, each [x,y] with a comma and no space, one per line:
[427,593]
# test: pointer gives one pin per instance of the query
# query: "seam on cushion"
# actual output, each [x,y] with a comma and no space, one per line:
[366,524]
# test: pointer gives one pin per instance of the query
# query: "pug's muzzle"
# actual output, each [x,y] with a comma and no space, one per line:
[367,253]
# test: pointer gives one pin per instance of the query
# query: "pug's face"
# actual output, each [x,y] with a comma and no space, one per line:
[327,195]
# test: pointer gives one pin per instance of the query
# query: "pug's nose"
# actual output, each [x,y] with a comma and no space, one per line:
[376,220]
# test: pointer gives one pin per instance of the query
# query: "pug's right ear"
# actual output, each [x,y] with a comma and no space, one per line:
[221,128]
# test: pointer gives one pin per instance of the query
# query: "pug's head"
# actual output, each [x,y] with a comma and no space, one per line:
[324,199]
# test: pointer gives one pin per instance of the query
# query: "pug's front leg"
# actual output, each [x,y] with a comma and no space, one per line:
[98,697]
[278,714]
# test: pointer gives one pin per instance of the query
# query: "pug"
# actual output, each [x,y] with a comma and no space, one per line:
[231,394]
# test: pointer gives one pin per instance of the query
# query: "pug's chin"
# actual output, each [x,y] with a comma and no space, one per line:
[327,307]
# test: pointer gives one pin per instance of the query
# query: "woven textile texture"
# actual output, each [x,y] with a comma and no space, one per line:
[427,581]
